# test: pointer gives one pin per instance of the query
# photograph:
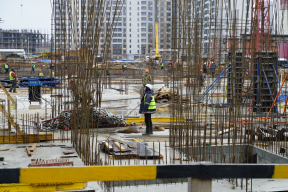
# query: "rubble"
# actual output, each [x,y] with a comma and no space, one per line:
[103,118]
[164,95]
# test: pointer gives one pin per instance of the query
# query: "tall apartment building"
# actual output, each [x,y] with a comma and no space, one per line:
[218,20]
[283,18]
[163,15]
[140,28]
[32,41]
[134,24]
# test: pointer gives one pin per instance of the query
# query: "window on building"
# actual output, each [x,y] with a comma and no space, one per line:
[143,24]
[143,29]
[143,7]
[143,18]
[168,3]
[143,2]
[143,40]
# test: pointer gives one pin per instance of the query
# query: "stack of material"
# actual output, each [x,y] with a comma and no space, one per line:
[101,118]
[136,149]
[164,95]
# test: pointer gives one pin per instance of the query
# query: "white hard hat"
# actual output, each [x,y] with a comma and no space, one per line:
[149,86]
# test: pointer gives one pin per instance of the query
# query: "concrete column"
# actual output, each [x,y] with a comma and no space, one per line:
[199,185]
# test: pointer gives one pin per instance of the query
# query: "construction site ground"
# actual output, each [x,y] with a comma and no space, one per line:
[119,104]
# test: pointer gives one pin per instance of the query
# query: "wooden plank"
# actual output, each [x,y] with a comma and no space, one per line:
[5,149]
[7,93]
[28,151]
[119,146]
[32,149]
[109,147]
[10,119]
[65,139]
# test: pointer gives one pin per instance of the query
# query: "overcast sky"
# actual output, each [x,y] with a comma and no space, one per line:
[34,14]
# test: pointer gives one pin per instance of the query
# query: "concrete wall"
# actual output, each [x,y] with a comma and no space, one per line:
[236,154]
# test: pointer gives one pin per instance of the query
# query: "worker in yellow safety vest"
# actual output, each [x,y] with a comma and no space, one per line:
[12,77]
[162,65]
[6,68]
[33,68]
[148,107]
[53,73]
[41,74]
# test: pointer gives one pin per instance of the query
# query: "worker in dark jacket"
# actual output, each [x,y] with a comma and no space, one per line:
[212,69]
[148,107]
[12,77]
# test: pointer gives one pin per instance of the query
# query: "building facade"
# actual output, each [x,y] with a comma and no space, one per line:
[133,30]
[32,41]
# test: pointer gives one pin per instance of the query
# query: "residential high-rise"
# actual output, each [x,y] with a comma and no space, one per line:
[133,29]
[163,16]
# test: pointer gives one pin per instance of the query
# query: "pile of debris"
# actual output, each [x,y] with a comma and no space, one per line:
[164,95]
[100,118]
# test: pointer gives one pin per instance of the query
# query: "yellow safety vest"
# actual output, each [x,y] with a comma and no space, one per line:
[53,74]
[6,66]
[41,74]
[152,104]
[11,77]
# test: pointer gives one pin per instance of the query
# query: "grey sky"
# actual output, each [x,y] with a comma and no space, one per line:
[34,14]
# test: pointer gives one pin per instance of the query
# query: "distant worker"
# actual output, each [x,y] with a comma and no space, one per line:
[12,77]
[108,72]
[52,66]
[162,65]
[41,74]
[7,67]
[201,78]
[53,73]
[170,66]
[204,68]
[33,67]
[148,107]
[212,69]
[146,78]
[124,67]
[166,65]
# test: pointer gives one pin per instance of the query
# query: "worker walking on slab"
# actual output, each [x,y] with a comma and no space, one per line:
[212,69]
[162,65]
[148,107]
[12,77]
[146,78]
[7,67]
[124,67]
[33,68]
[41,74]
